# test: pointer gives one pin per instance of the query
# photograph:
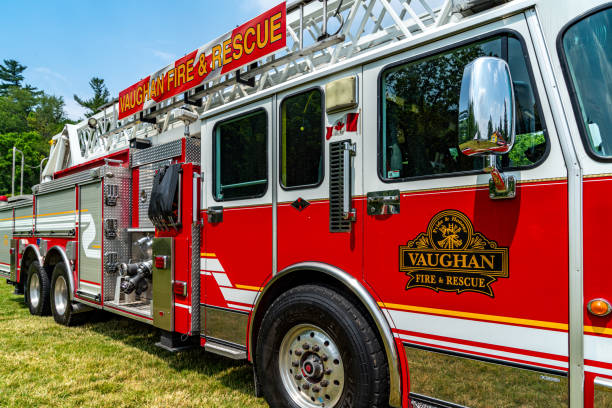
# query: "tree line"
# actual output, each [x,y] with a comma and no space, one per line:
[29,118]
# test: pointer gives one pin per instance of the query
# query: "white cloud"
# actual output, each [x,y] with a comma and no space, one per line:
[73,109]
[50,74]
[165,56]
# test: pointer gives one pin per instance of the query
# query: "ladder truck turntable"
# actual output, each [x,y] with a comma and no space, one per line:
[375,202]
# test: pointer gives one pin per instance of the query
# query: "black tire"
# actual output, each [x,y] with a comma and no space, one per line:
[365,369]
[37,290]
[62,307]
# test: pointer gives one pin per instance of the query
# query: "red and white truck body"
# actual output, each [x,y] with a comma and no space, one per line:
[327,163]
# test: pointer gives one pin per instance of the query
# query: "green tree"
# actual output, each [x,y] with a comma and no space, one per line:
[100,98]
[11,74]
[34,147]
[15,107]
[48,118]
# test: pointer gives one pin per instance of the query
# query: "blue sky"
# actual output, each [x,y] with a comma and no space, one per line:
[65,43]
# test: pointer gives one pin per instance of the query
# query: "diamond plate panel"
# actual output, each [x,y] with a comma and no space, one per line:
[192,150]
[121,177]
[195,279]
[146,174]
[157,153]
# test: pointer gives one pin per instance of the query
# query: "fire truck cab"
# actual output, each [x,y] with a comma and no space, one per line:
[409,210]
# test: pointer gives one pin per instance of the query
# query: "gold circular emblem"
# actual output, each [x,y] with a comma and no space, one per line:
[450,229]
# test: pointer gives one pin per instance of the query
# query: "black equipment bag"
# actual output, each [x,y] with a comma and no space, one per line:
[163,206]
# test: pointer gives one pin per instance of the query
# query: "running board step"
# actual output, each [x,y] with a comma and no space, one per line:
[225,350]
[89,296]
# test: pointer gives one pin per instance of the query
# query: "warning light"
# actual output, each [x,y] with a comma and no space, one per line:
[599,307]
[161,262]
[179,288]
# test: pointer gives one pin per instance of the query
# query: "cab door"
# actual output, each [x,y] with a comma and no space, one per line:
[460,273]
[237,257]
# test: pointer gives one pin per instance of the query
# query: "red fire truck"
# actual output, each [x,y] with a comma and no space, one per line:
[375,202]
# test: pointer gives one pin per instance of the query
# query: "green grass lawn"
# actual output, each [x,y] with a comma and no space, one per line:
[108,362]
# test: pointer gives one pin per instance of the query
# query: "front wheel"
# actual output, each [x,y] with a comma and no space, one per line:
[316,349]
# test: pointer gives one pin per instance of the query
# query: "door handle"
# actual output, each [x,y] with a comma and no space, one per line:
[348,212]
[383,202]
[215,214]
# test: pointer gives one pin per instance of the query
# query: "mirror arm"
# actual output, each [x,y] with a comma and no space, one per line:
[500,186]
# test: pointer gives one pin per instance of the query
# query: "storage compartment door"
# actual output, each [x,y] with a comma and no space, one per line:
[90,239]
[6,232]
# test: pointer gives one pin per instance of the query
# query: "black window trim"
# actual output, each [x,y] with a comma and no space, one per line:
[442,50]
[214,154]
[323,145]
[571,89]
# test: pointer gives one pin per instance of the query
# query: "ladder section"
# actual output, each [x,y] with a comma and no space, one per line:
[319,34]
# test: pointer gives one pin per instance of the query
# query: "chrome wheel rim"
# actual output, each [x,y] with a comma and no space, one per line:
[311,367]
[60,295]
[34,290]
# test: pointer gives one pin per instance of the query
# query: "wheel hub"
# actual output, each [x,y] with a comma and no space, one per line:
[60,295]
[311,367]
[34,290]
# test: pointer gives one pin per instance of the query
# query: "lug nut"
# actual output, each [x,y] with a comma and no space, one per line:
[306,386]
[295,364]
[324,383]
[324,357]
[298,377]
[315,348]
[316,389]
[298,352]
[305,346]
[328,371]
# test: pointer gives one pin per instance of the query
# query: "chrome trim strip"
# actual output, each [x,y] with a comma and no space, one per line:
[275,182]
[574,193]
[395,379]
[36,251]
[65,260]
[603,382]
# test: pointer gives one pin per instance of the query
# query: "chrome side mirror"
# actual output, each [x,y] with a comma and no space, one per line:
[486,118]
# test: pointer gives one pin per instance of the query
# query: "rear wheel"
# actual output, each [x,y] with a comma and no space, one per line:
[37,290]
[316,349]
[61,306]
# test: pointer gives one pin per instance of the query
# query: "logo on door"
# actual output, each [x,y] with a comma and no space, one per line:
[451,257]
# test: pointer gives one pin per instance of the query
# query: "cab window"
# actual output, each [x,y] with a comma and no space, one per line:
[419,113]
[241,157]
[301,140]
[587,47]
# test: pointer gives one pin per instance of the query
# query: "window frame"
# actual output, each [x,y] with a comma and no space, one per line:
[214,154]
[280,138]
[440,51]
[571,89]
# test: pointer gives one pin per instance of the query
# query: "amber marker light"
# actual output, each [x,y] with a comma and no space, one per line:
[599,307]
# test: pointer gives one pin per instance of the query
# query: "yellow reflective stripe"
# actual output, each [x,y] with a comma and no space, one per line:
[255,288]
[597,330]
[208,254]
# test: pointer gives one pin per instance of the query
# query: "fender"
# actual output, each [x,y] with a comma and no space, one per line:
[34,248]
[62,253]
[395,382]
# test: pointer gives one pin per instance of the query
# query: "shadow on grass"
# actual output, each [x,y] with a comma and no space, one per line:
[233,374]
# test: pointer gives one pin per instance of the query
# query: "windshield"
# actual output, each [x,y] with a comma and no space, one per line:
[587,46]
